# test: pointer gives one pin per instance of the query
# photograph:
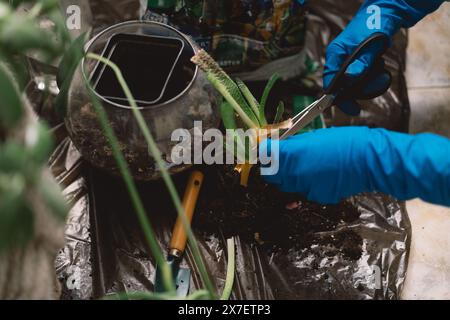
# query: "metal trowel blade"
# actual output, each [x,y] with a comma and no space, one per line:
[181,276]
[182,282]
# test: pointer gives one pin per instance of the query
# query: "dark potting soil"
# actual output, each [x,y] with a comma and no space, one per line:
[271,219]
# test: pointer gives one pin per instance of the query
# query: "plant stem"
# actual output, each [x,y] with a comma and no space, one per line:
[153,148]
[133,192]
[199,295]
[231,269]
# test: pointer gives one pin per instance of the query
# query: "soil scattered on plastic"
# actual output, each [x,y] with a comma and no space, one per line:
[271,219]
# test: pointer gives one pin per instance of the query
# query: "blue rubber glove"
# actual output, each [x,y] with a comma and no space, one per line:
[394,14]
[329,165]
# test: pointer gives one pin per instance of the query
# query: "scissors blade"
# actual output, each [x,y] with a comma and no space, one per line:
[309,114]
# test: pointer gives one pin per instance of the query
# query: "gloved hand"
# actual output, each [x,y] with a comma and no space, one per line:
[394,14]
[329,165]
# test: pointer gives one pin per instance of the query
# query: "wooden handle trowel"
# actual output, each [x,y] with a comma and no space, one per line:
[181,276]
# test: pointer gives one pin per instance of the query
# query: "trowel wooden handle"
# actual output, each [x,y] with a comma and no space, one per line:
[179,236]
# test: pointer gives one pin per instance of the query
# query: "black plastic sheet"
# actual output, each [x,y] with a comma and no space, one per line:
[106,252]
[361,256]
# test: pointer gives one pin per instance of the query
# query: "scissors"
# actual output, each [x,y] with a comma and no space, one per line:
[340,88]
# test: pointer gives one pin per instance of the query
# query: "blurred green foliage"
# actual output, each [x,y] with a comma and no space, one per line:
[25,145]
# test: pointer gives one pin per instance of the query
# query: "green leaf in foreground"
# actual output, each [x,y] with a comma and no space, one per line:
[19,34]
[16,218]
[13,157]
[10,102]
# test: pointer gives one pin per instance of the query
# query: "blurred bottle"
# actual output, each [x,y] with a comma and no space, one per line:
[160,10]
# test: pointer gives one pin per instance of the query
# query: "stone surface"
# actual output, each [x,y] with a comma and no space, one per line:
[428,76]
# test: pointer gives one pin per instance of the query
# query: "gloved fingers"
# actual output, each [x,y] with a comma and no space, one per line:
[334,58]
[367,68]
[376,86]
[270,163]
[274,158]
[364,62]
[350,107]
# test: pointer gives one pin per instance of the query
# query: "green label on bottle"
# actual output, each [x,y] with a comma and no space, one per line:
[161,4]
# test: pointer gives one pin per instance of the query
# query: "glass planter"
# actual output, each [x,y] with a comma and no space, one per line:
[187,96]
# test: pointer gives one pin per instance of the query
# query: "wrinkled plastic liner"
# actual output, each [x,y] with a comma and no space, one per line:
[358,250]
[286,248]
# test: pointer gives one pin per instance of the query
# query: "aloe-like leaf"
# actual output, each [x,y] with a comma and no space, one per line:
[254,104]
[272,81]
[227,87]
[11,108]
[280,112]
[235,144]
[66,70]
[228,115]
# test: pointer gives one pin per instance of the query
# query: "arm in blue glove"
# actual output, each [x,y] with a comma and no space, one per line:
[393,15]
[329,165]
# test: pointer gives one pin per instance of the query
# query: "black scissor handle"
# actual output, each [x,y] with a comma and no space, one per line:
[341,86]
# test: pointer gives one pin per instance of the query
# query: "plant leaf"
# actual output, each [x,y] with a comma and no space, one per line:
[280,112]
[10,102]
[272,81]
[20,34]
[13,157]
[228,115]
[227,87]
[16,218]
[254,104]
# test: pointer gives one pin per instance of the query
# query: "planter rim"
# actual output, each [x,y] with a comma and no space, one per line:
[183,36]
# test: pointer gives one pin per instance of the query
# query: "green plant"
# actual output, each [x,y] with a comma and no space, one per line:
[19,164]
[132,189]
[211,294]
[240,109]
[25,144]
[247,110]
